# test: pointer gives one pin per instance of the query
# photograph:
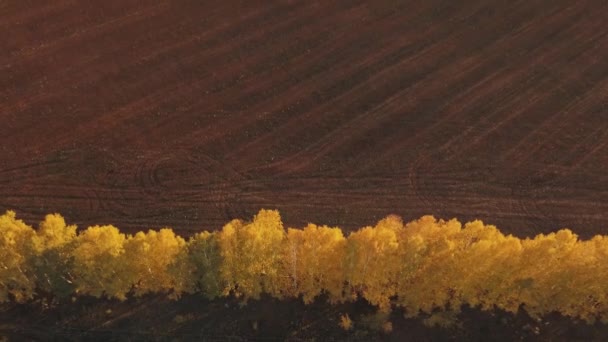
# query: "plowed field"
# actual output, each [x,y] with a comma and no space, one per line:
[145,114]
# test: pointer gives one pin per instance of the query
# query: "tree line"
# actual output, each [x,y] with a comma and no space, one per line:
[420,266]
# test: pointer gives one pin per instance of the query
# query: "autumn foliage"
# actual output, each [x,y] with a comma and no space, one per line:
[421,266]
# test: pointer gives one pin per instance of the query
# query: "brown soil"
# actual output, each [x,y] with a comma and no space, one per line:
[193,318]
[187,114]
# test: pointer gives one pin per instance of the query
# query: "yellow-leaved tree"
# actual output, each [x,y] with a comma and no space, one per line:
[313,259]
[100,266]
[579,284]
[231,269]
[17,247]
[428,252]
[594,274]
[548,286]
[485,269]
[374,262]
[53,263]
[251,255]
[426,265]
[149,256]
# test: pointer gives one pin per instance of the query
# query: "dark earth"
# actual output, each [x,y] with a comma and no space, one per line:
[146,114]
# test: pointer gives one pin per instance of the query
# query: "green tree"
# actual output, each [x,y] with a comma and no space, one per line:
[197,267]
[53,262]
